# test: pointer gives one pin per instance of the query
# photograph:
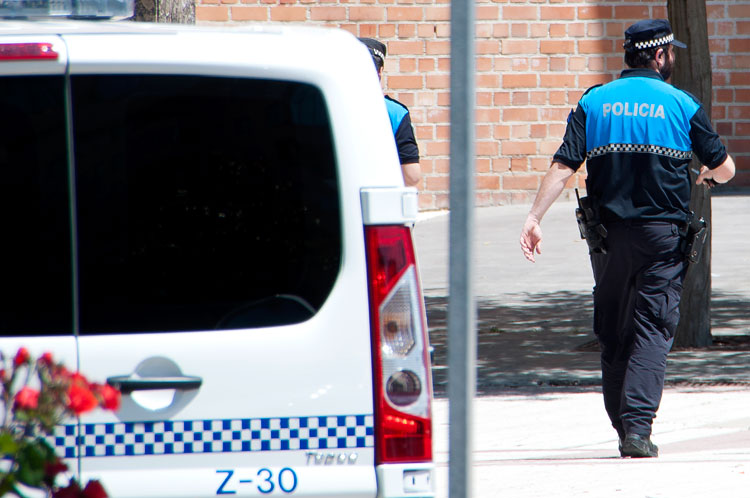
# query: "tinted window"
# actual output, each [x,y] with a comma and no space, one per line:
[203,202]
[35,262]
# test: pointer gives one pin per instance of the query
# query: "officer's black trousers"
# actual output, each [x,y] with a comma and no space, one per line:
[638,284]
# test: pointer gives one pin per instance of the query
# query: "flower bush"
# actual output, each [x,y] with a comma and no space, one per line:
[37,395]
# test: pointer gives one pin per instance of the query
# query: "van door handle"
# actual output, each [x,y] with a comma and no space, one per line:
[127,384]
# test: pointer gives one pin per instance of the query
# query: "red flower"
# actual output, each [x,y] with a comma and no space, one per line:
[94,489]
[46,359]
[109,396]
[27,398]
[81,399]
[22,356]
[51,469]
[72,491]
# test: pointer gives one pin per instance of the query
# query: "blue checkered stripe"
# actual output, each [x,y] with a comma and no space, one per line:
[215,436]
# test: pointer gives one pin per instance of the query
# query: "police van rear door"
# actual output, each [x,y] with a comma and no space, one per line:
[213,287]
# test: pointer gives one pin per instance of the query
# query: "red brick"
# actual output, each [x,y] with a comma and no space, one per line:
[249,13]
[486,148]
[500,30]
[211,13]
[366,13]
[739,79]
[501,132]
[517,147]
[519,12]
[520,182]
[635,12]
[557,46]
[482,165]
[487,13]
[407,30]
[327,13]
[396,81]
[437,81]
[519,164]
[595,46]
[520,114]
[487,182]
[738,145]
[387,30]
[519,80]
[407,65]
[595,12]
[557,13]
[520,98]
[288,13]
[554,114]
[739,45]
[739,11]
[437,47]
[487,115]
[519,47]
[557,80]
[436,183]
[500,164]
[442,13]
[520,132]
[438,148]
[589,80]
[404,13]
[484,63]
[404,48]
[483,31]
[487,80]
[519,30]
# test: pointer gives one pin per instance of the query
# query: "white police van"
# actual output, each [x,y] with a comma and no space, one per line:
[215,222]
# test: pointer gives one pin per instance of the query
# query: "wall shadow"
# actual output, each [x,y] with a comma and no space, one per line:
[537,342]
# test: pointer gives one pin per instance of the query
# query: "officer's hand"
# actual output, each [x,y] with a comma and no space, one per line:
[705,176]
[531,238]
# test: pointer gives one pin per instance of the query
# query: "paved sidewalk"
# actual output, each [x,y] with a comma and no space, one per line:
[540,425]
[534,319]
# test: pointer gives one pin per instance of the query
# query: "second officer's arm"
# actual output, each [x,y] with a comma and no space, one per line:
[550,189]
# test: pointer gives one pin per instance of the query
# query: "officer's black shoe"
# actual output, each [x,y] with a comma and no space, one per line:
[636,446]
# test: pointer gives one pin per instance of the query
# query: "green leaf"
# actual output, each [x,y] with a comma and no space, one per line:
[32,461]
[8,445]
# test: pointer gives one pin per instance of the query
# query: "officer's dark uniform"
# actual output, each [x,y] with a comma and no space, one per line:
[403,132]
[398,113]
[637,135]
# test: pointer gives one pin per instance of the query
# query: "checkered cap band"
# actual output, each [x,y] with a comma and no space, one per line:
[214,436]
[655,42]
[636,148]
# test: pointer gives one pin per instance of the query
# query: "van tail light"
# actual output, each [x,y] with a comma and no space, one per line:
[401,367]
[27,52]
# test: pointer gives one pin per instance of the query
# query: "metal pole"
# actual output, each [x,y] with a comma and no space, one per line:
[461,310]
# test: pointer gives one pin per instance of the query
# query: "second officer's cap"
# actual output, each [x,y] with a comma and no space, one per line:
[650,33]
[376,48]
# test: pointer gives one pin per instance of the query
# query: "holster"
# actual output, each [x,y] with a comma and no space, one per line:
[694,233]
[589,226]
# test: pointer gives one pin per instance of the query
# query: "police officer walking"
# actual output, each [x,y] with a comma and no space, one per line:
[637,135]
[403,132]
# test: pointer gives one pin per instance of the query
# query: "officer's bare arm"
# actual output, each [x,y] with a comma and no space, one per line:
[552,186]
[412,172]
[720,174]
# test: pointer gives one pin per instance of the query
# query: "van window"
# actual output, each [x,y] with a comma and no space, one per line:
[35,245]
[203,203]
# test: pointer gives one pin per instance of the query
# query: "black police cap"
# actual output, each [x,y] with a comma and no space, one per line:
[376,48]
[650,33]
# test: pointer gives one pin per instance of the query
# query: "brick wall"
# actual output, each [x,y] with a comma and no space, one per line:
[534,60]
